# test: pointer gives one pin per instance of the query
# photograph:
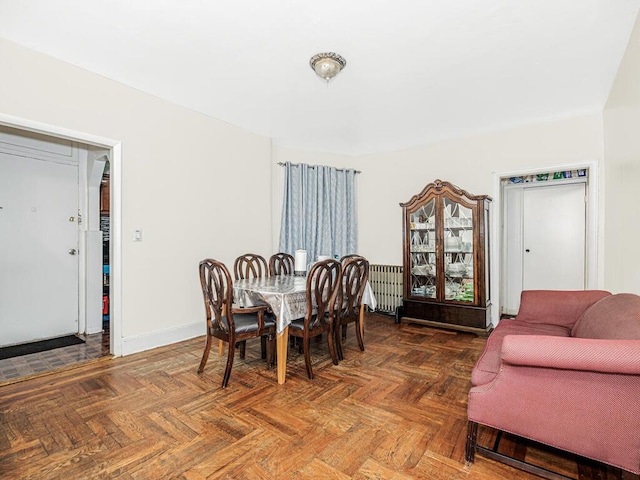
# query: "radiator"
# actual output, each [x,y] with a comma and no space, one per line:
[386,282]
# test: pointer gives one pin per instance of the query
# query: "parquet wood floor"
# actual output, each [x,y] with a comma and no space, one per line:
[16,368]
[396,411]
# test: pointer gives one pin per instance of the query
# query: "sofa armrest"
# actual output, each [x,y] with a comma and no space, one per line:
[595,355]
[588,412]
[556,307]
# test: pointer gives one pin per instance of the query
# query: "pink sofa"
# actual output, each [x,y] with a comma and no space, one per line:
[565,372]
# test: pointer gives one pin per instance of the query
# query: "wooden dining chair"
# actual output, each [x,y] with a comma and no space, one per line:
[224,322]
[344,258]
[323,283]
[281,264]
[355,273]
[250,265]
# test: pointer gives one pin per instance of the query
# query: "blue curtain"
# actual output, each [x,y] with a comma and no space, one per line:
[319,211]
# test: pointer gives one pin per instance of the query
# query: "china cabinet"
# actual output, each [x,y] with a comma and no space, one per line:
[446,259]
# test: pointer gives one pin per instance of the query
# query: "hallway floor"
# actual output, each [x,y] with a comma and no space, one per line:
[26,366]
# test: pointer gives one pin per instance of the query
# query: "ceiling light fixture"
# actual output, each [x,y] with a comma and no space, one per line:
[327,65]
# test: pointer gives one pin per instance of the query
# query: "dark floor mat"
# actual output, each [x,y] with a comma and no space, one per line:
[41,346]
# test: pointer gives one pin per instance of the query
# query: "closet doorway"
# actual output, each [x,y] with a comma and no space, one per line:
[548,234]
[105,229]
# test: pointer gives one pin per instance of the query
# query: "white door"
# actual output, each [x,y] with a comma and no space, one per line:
[554,237]
[38,249]
[545,240]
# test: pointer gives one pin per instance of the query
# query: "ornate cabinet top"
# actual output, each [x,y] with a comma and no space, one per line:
[440,186]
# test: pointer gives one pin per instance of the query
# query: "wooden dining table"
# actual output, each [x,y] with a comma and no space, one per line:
[286,295]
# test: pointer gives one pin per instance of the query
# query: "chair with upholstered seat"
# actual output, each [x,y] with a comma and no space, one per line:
[224,322]
[355,273]
[281,264]
[251,265]
[323,283]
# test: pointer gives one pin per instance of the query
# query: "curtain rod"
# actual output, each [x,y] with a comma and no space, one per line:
[314,166]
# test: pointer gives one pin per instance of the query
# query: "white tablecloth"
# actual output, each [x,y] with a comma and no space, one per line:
[285,294]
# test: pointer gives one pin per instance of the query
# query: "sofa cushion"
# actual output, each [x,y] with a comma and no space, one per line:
[613,317]
[488,364]
[556,307]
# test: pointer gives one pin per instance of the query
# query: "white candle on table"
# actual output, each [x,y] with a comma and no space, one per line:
[300,262]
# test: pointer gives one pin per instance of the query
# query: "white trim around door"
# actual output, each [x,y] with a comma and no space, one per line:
[115,209]
[592,227]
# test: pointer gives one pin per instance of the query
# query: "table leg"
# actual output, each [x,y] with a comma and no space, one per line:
[282,341]
[220,348]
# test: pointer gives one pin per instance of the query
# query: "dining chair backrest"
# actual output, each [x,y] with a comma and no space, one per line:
[323,284]
[281,264]
[250,265]
[344,258]
[355,273]
[217,291]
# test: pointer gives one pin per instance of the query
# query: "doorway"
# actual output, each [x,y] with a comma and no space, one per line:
[554,221]
[31,128]
[39,249]
[546,234]
[105,208]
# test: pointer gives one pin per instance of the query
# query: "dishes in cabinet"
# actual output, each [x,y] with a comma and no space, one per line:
[452,243]
[456,268]
[422,269]
[415,239]
[457,222]
[451,289]
[423,248]
[465,293]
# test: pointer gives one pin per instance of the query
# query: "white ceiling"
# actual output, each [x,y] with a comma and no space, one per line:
[417,70]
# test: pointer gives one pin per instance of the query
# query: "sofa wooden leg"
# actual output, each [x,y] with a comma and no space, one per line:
[472,447]
[472,439]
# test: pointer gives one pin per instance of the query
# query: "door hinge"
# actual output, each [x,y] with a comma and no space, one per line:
[79,218]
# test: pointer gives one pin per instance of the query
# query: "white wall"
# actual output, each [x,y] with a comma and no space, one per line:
[193,185]
[469,162]
[622,171]
[388,179]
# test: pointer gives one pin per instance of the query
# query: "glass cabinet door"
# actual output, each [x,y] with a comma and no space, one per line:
[423,250]
[445,258]
[458,251]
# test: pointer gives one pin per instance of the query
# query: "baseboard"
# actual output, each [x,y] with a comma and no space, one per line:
[160,338]
[481,332]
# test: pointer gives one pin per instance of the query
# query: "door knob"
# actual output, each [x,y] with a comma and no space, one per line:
[527,250]
[72,251]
